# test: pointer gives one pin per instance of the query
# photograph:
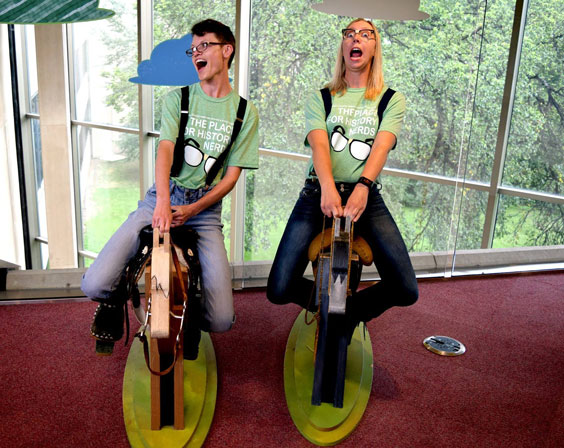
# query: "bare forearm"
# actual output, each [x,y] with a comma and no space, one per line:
[319,143]
[330,199]
[217,193]
[162,171]
[378,155]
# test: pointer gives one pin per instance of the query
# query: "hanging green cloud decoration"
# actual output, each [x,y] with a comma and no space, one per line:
[51,11]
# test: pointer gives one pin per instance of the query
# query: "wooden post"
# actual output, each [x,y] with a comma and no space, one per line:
[155,363]
[177,306]
[163,347]
[160,286]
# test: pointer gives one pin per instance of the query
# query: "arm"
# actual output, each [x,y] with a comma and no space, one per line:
[382,145]
[162,216]
[182,213]
[330,199]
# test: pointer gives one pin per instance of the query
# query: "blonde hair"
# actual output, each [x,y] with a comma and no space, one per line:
[375,82]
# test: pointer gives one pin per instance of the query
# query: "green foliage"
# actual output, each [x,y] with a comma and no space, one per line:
[109,203]
[451,68]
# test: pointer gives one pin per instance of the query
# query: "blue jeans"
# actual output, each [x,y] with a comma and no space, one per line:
[102,277]
[398,285]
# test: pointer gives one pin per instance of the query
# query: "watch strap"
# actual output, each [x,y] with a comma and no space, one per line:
[365,181]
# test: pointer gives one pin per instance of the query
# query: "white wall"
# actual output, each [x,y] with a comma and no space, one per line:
[11,235]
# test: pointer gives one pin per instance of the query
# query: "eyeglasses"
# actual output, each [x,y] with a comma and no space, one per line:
[202,47]
[359,149]
[193,156]
[365,34]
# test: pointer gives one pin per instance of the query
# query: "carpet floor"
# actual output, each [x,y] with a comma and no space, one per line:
[507,390]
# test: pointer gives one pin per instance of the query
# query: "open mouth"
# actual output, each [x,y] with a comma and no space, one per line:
[356,53]
[201,63]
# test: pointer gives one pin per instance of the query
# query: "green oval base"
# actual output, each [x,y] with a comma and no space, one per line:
[325,425]
[200,391]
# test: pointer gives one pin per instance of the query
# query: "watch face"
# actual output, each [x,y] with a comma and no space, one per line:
[444,346]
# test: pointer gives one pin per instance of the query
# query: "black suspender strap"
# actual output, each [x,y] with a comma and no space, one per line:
[236,129]
[178,159]
[327,104]
[388,94]
[326,95]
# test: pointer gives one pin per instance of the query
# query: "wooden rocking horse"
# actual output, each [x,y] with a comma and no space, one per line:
[167,399]
[328,373]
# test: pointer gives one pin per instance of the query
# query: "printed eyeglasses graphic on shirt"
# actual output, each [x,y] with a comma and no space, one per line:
[201,48]
[365,34]
[193,156]
[359,149]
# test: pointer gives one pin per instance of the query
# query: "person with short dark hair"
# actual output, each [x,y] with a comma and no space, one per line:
[221,31]
[185,198]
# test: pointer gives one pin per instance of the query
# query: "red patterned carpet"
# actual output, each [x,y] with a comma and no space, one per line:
[506,391]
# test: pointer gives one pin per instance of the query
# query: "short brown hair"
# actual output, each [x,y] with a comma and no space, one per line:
[223,33]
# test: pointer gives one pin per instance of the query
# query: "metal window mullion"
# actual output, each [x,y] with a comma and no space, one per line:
[75,150]
[242,25]
[531,195]
[435,179]
[105,127]
[27,141]
[511,76]
[42,240]
[145,96]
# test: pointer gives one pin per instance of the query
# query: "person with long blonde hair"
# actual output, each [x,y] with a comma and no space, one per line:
[350,140]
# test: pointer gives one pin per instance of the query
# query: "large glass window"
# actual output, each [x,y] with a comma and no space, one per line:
[435,63]
[271,193]
[451,67]
[525,222]
[104,55]
[172,20]
[491,73]
[109,185]
[535,151]
[104,58]
[423,211]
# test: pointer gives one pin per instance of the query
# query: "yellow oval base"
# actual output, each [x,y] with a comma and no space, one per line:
[326,425]
[200,391]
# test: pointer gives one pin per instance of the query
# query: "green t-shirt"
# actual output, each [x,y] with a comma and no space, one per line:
[208,132]
[351,127]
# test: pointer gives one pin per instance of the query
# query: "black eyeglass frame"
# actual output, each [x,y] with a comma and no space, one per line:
[190,52]
[345,30]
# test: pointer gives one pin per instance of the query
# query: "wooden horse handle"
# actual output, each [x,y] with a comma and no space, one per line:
[158,237]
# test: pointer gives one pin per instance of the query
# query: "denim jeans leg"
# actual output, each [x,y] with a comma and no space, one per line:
[286,282]
[216,273]
[102,277]
[398,285]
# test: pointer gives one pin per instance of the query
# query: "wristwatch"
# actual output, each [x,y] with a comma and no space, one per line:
[365,181]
